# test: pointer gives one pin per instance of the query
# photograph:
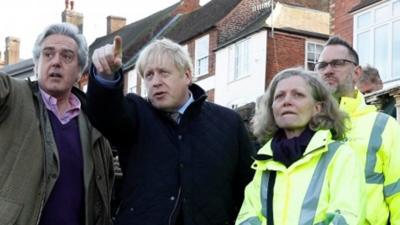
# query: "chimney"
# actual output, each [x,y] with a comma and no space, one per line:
[11,54]
[187,6]
[69,15]
[115,23]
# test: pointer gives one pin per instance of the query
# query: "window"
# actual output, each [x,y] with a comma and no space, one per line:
[201,56]
[132,81]
[239,60]
[377,40]
[313,51]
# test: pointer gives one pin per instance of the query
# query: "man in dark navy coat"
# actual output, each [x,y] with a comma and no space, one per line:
[185,161]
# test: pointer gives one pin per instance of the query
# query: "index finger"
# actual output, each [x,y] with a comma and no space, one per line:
[117,48]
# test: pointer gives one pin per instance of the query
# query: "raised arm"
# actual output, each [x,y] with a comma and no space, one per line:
[108,109]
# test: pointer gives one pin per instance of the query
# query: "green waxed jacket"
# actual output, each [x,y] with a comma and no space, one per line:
[29,165]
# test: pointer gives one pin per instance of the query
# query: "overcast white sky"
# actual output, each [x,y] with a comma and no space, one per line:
[26,19]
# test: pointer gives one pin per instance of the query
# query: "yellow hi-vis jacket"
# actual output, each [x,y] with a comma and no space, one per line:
[325,186]
[376,138]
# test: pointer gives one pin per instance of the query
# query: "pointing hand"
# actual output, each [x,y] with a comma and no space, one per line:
[108,59]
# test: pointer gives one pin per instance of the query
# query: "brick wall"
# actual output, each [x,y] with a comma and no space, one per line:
[115,23]
[341,20]
[187,6]
[284,51]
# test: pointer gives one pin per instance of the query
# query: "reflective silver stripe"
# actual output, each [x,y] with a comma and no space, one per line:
[311,199]
[334,218]
[375,142]
[264,191]
[391,189]
[251,221]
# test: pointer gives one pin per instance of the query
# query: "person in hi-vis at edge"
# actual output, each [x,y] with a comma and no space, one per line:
[185,161]
[373,135]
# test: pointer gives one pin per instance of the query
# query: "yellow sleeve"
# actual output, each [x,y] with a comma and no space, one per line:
[346,188]
[391,169]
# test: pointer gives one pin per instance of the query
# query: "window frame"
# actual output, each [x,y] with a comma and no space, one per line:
[202,55]
[306,52]
[235,60]
[368,56]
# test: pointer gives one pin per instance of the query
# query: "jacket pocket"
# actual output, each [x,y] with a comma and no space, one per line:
[9,211]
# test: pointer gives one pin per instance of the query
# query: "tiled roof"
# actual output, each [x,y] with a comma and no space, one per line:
[178,28]
[136,34]
[201,20]
[254,26]
[21,69]
[260,23]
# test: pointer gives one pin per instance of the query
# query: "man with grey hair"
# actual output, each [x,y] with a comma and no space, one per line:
[55,167]
[185,161]
[369,80]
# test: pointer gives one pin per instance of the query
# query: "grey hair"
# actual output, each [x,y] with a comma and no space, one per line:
[68,30]
[370,74]
[329,118]
[157,49]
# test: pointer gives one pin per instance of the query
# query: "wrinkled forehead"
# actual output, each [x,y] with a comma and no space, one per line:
[159,59]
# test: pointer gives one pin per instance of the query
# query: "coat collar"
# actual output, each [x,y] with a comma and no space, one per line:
[356,106]
[317,143]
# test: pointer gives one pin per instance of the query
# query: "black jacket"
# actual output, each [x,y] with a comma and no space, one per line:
[199,167]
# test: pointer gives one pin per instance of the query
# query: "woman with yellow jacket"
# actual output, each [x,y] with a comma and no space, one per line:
[305,173]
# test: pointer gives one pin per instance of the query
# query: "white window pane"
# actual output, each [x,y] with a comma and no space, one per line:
[231,63]
[381,51]
[363,47]
[396,8]
[202,47]
[311,57]
[364,20]
[319,49]
[201,55]
[203,66]
[311,47]
[396,50]
[382,14]
[313,54]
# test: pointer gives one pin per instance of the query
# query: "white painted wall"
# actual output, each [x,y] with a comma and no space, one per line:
[247,89]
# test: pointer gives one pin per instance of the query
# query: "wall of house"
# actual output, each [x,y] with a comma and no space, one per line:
[299,18]
[246,89]
[284,51]
[341,19]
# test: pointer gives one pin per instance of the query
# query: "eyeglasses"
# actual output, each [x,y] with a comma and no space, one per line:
[66,56]
[335,64]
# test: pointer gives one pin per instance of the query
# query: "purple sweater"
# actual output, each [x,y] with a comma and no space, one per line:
[65,205]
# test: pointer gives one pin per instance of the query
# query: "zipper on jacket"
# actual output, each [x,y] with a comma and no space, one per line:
[171,216]
[40,211]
